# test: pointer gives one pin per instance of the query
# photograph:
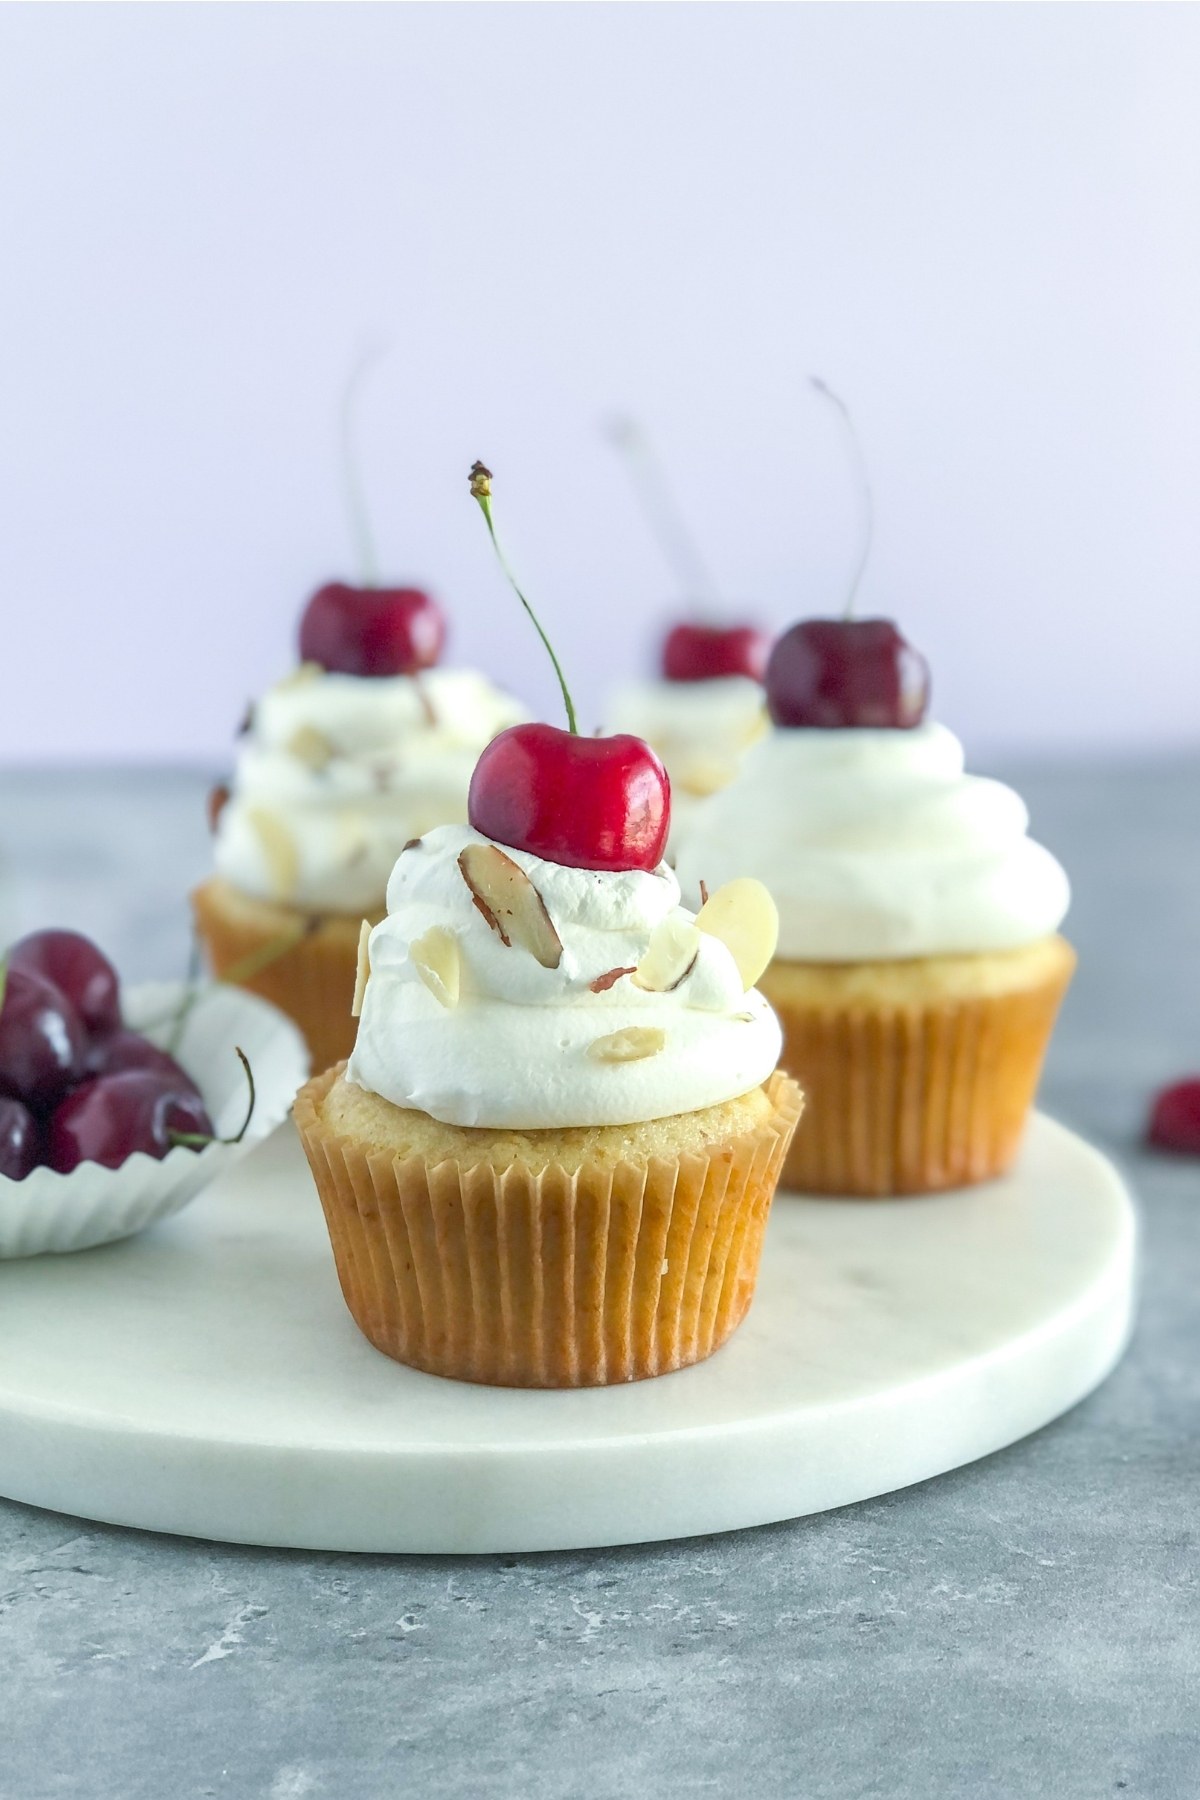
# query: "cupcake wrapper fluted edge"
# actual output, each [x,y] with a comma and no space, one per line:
[549,1279]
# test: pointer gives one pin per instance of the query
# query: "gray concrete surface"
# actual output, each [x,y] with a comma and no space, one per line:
[1027,1626]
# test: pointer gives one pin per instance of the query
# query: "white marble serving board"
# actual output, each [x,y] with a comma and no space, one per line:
[205,1378]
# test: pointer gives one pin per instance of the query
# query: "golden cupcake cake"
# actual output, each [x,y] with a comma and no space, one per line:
[366,744]
[550,1158]
[919,968]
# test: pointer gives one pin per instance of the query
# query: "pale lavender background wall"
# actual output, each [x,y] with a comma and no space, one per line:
[982,223]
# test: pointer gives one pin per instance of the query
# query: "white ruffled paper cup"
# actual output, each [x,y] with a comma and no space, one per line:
[49,1212]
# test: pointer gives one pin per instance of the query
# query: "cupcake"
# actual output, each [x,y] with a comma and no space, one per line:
[703,711]
[919,968]
[550,1158]
[365,745]
[705,707]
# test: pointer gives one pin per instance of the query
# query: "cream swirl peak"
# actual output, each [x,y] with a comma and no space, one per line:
[337,772]
[507,991]
[876,845]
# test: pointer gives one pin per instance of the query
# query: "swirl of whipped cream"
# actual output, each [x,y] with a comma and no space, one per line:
[876,846]
[518,1048]
[337,772]
[701,729]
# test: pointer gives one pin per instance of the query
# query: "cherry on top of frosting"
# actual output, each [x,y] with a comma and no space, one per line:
[695,651]
[1174,1122]
[372,631]
[586,802]
[838,674]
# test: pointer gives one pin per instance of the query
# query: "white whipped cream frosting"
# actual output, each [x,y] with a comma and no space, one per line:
[514,1051]
[337,772]
[876,845]
[701,729]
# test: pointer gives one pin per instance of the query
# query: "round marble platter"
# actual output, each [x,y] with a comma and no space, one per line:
[205,1378]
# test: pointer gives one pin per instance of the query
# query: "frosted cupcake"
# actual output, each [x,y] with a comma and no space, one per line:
[919,968]
[703,712]
[366,745]
[550,1158]
[706,706]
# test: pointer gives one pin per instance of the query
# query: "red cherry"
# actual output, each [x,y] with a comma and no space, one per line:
[840,673]
[80,972]
[18,1139]
[126,1050]
[703,652]
[590,803]
[372,631]
[1175,1118]
[41,1040]
[112,1116]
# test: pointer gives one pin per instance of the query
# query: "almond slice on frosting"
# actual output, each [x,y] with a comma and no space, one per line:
[438,961]
[670,956]
[279,851]
[629,1045]
[311,747]
[744,916]
[510,903]
[363,973]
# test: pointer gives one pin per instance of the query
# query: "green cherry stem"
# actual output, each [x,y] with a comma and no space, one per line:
[357,509]
[481,490]
[863,481]
[197,1140]
[663,515]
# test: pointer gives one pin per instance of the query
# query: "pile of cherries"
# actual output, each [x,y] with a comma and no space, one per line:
[76,1085]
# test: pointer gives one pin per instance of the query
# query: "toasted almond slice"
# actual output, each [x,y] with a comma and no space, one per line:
[363,974]
[279,850]
[300,675]
[743,915]
[218,800]
[629,1045]
[311,747]
[609,979]
[438,961]
[670,956]
[510,903]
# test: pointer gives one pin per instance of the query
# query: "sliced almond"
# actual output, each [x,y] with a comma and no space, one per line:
[670,956]
[218,800]
[279,851]
[629,1045]
[609,979]
[510,903]
[303,672]
[311,747]
[363,974]
[743,915]
[438,961]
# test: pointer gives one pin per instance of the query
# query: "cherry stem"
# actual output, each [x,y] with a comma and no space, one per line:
[356,498]
[863,480]
[197,1140]
[663,515]
[481,490]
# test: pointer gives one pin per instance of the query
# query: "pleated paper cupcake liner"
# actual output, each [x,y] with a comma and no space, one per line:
[911,1100]
[49,1212]
[312,981]
[549,1279]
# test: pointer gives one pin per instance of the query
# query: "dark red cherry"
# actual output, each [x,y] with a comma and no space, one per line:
[590,803]
[1175,1118]
[372,631]
[840,673]
[703,652]
[112,1116]
[80,972]
[42,1041]
[19,1144]
[129,1050]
